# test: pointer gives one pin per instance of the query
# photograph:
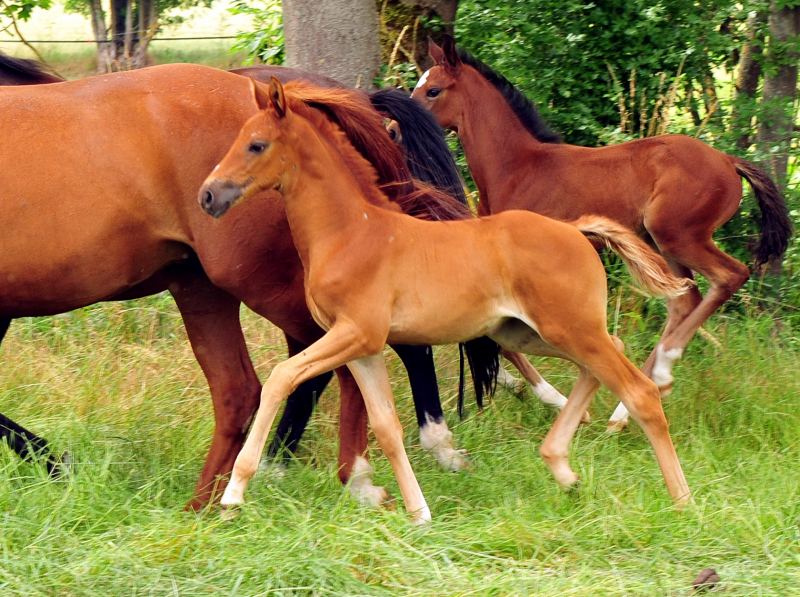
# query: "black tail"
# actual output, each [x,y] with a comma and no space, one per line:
[776,227]
[21,71]
[483,355]
[422,140]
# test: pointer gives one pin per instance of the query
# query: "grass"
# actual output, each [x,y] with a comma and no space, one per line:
[117,384]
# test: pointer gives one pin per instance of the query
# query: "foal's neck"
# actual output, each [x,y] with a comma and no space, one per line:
[494,140]
[325,202]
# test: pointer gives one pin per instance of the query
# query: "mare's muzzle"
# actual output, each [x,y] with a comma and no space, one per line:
[217,196]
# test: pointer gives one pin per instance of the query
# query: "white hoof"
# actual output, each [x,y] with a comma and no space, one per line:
[549,395]
[272,468]
[619,420]
[662,370]
[508,381]
[437,439]
[362,489]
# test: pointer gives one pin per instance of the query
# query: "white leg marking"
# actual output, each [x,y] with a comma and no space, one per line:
[619,420]
[549,395]
[662,370]
[505,379]
[272,467]
[437,439]
[422,79]
[361,486]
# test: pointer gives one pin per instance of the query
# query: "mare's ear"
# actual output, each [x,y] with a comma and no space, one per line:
[450,55]
[276,96]
[435,51]
[260,96]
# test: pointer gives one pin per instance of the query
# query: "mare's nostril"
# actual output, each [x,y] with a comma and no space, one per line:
[208,199]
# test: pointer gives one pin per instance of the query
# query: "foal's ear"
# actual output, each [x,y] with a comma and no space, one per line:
[450,55]
[276,96]
[435,51]
[260,95]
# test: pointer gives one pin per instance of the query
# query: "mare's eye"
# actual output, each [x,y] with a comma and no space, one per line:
[433,92]
[257,147]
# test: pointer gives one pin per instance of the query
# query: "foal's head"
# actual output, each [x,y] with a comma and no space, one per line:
[438,88]
[259,157]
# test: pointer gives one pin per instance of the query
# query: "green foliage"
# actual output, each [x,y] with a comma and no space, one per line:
[265,42]
[21,10]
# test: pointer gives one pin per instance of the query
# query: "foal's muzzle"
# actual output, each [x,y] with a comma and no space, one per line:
[217,196]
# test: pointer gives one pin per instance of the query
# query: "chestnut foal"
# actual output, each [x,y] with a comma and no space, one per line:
[374,275]
[673,190]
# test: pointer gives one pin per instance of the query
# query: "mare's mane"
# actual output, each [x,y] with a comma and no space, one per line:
[522,107]
[355,129]
[29,69]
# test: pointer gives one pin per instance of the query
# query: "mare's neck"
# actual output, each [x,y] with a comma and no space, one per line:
[494,142]
[325,204]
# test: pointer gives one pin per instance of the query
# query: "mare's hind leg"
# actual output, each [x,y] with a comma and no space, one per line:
[27,444]
[434,435]
[211,318]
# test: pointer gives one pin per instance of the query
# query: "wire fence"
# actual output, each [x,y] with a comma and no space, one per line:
[106,41]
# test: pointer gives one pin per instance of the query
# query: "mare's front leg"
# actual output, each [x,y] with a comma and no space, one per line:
[434,435]
[211,317]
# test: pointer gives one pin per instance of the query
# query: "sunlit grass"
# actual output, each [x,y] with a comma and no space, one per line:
[117,385]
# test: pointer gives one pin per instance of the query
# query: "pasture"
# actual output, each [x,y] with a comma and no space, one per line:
[117,385]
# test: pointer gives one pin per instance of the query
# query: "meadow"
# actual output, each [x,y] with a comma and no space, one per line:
[118,386]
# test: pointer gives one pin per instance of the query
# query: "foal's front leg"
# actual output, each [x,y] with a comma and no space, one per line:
[334,349]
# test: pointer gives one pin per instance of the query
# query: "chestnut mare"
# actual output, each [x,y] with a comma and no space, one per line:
[374,275]
[142,232]
[673,191]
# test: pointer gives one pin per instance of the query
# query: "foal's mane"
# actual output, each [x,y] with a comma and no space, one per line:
[524,108]
[355,129]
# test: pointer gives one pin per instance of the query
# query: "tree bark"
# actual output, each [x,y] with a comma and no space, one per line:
[780,89]
[397,15]
[749,72]
[335,38]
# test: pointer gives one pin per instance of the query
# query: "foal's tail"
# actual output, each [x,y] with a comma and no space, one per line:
[776,227]
[648,268]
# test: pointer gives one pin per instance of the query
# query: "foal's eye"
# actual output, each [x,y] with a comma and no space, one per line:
[257,147]
[433,92]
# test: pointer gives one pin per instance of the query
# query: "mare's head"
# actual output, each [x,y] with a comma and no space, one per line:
[257,160]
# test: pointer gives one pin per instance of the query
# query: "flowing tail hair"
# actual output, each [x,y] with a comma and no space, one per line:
[647,268]
[776,227]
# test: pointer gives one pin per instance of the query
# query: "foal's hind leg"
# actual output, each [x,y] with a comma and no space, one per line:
[725,276]
[678,309]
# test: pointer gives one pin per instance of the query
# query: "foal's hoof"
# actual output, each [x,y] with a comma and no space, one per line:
[372,496]
[229,513]
[573,489]
[457,461]
[586,418]
[616,426]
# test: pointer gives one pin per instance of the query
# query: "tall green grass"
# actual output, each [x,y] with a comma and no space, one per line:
[117,385]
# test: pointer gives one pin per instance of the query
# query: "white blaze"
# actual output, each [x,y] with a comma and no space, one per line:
[422,79]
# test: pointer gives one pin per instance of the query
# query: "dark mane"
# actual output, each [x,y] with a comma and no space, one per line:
[527,113]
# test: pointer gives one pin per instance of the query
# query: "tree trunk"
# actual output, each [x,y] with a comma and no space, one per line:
[336,38]
[780,89]
[105,48]
[747,78]
[122,45]
[402,18]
